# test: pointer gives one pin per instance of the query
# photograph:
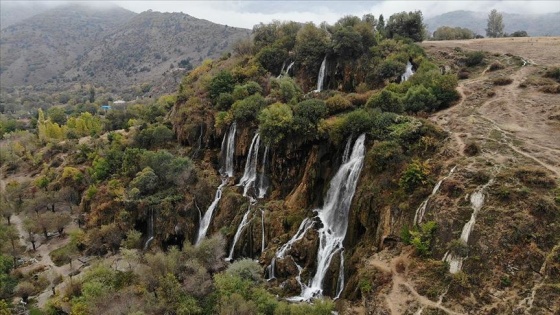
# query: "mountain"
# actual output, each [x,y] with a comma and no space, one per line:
[535,24]
[152,43]
[15,12]
[44,46]
[108,46]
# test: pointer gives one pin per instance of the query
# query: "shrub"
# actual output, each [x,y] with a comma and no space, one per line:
[496,65]
[275,122]
[415,174]
[285,90]
[471,148]
[389,69]
[248,108]
[223,82]
[224,101]
[308,113]
[463,74]
[474,58]
[358,99]
[551,89]
[387,101]
[337,104]
[385,154]
[553,73]
[418,98]
[246,269]
[272,58]
[502,81]
[357,122]
[420,237]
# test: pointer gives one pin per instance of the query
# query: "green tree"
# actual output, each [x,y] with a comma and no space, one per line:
[495,26]
[347,43]
[223,82]
[409,25]
[275,122]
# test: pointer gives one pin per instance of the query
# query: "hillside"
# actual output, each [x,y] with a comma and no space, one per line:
[534,24]
[43,47]
[107,46]
[12,12]
[315,169]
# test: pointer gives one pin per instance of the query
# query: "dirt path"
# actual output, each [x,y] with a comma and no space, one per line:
[512,122]
[402,295]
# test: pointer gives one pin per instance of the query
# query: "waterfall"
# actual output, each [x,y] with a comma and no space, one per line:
[419,215]
[281,70]
[334,216]
[305,225]
[250,174]
[346,153]
[289,67]
[321,75]
[262,229]
[270,270]
[150,230]
[262,180]
[407,73]
[228,146]
[227,149]
[340,282]
[287,71]
[477,201]
[244,222]
[205,222]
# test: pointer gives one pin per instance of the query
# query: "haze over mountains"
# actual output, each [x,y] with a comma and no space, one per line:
[533,24]
[113,47]
[109,46]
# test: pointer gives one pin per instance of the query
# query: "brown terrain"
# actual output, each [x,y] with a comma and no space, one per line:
[515,128]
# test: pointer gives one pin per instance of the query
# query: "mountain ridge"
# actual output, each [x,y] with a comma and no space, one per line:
[535,24]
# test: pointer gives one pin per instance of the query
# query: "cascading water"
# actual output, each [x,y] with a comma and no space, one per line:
[346,153]
[150,230]
[289,67]
[228,144]
[262,230]
[419,215]
[321,75]
[334,216]
[340,282]
[477,201]
[407,72]
[281,70]
[262,180]
[250,173]
[244,222]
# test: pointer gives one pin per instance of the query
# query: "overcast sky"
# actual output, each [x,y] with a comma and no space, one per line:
[248,13]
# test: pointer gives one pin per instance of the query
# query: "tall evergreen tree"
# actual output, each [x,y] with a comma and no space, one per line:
[495,24]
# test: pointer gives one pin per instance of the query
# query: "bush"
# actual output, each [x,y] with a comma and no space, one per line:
[551,89]
[248,108]
[306,116]
[337,104]
[471,148]
[385,154]
[387,101]
[223,82]
[418,99]
[275,122]
[420,237]
[246,269]
[463,74]
[553,73]
[502,81]
[496,65]
[358,122]
[474,58]
[271,58]
[415,174]
[224,101]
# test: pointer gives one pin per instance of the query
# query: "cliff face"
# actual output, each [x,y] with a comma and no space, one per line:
[456,221]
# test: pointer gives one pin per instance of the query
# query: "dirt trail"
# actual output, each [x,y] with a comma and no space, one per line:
[514,122]
[402,295]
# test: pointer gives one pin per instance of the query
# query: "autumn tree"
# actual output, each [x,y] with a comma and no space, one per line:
[495,24]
